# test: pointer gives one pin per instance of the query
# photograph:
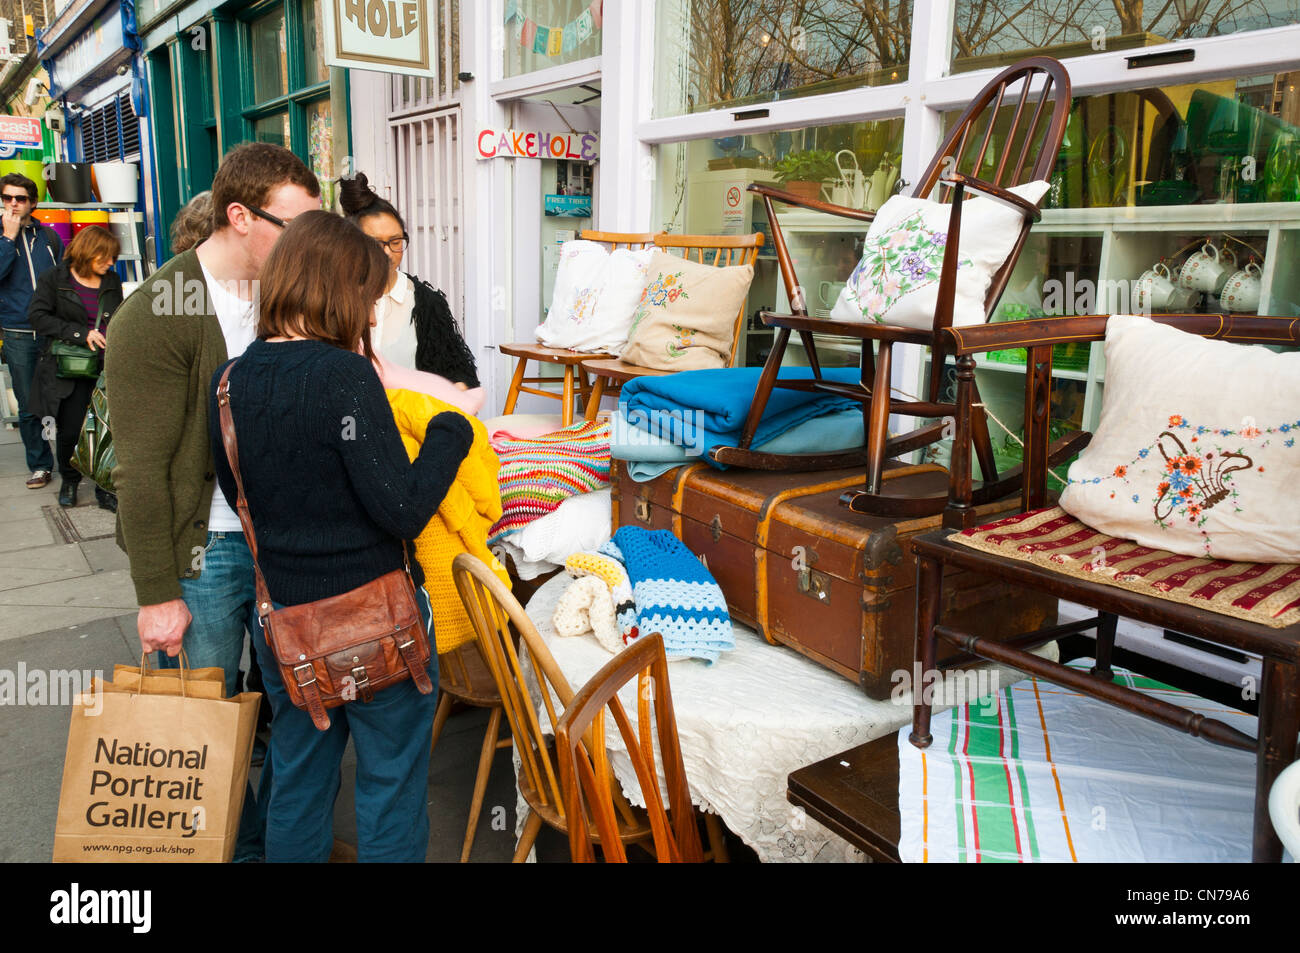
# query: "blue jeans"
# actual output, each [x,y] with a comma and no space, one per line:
[223,604]
[21,353]
[301,778]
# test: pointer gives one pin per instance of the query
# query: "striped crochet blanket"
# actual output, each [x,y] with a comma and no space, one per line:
[540,473]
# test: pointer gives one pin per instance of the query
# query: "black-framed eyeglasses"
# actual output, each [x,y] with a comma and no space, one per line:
[395,245]
[262,213]
[11,197]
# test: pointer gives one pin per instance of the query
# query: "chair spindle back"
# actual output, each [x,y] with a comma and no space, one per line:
[584,760]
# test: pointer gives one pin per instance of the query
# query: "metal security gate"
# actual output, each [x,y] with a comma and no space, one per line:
[424,165]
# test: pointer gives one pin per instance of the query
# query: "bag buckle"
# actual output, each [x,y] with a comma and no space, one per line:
[297,674]
[361,681]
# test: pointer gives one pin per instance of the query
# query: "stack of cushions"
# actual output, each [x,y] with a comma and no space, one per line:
[897,280]
[596,292]
[540,473]
[686,317]
[1196,451]
[675,595]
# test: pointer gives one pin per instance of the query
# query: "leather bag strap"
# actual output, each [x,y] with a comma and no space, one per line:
[305,676]
[231,445]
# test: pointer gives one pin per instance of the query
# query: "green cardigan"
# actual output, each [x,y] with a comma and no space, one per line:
[164,345]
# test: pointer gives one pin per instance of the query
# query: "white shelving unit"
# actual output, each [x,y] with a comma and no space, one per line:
[131,253]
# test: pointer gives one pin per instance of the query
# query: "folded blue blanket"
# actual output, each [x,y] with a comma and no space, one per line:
[700,410]
[646,455]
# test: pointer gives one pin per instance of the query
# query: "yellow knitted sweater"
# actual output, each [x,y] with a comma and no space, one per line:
[471,506]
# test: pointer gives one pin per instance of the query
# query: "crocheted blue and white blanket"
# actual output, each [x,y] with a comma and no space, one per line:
[675,595]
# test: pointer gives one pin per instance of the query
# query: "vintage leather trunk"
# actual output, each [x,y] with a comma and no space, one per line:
[808,573]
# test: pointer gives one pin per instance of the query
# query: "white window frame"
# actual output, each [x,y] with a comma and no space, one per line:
[930,91]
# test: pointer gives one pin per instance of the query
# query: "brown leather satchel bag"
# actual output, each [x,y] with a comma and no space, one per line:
[348,646]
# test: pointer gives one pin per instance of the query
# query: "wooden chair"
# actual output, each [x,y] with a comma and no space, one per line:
[494,611]
[611,373]
[1030,86]
[584,767]
[463,676]
[1279,697]
[574,383]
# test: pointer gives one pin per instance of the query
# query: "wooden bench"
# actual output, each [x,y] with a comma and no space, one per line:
[1279,695]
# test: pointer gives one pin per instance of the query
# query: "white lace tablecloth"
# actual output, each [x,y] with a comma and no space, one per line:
[745,723]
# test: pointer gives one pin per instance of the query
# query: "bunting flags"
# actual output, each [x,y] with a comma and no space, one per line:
[555,40]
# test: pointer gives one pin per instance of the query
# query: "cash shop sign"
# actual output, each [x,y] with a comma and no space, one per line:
[386,36]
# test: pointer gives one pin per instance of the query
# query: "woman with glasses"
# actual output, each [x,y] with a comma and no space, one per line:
[413,323]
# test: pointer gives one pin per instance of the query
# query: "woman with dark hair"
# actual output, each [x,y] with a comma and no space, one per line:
[413,323]
[73,303]
[333,498]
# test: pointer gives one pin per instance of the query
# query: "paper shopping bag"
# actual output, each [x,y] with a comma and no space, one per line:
[154,777]
[199,682]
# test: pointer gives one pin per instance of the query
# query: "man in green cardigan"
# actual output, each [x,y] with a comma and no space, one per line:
[191,567]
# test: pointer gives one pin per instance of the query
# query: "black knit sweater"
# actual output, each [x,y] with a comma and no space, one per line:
[330,488]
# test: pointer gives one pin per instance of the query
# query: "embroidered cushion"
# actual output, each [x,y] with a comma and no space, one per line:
[596,293]
[686,318]
[625,280]
[1196,448]
[897,280]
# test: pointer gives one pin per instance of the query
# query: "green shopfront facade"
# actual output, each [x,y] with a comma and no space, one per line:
[221,74]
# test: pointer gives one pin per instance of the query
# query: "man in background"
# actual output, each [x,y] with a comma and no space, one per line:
[27,249]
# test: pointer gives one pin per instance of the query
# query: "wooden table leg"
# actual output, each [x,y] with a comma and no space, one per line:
[1279,724]
[929,587]
[566,415]
[597,392]
[512,395]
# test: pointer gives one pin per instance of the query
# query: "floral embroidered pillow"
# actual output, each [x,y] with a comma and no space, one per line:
[1196,450]
[686,318]
[579,281]
[897,280]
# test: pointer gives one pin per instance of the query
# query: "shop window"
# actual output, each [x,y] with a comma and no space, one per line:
[1219,142]
[715,53]
[989,34]
[287,98]
[273,129]
[702,191]
[539,34]
[270,59]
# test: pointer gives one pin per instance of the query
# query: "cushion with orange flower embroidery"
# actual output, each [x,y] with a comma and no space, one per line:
[1196,450]
[686,318]
[897,280]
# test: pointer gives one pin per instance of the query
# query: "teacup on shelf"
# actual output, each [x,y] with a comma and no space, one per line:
[1241,292]
[1208,270]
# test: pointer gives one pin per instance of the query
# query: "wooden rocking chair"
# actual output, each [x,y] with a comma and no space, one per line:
[1029,152]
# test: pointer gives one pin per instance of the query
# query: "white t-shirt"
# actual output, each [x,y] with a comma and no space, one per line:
[239,327]
[393,335]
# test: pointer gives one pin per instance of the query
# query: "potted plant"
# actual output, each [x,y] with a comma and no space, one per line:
[804,172]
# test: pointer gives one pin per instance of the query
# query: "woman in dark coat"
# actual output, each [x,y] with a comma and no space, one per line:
[73,303]
[413,323]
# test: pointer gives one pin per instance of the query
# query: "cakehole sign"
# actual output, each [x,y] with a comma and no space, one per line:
[387,36]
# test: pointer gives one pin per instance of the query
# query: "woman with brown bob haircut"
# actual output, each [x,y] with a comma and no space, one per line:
[73,302]
[333,498]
